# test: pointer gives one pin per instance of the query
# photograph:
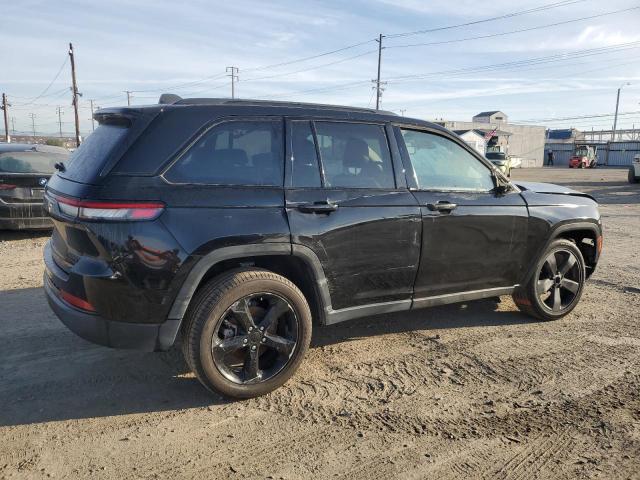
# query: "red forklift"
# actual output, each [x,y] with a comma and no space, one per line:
[584,156]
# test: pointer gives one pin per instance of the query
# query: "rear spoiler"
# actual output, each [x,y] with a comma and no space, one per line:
[169,99]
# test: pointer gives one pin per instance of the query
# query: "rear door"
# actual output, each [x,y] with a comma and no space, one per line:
[349,204]
[472,239]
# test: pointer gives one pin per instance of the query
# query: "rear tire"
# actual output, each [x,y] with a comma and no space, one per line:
[556,285]
[632,175]
[246,332]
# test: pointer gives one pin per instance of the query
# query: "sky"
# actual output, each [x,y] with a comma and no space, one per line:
[153,46]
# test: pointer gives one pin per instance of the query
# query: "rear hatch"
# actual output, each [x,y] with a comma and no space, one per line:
[75,197]
[24,174]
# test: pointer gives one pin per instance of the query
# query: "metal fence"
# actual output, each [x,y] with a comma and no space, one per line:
[610,153]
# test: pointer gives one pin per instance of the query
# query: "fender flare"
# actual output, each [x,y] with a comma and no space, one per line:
[204,264]
[555,234]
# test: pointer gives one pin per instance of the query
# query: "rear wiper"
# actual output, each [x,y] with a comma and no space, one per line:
[60,167]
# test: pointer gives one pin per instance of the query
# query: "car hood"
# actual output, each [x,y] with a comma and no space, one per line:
[552,189]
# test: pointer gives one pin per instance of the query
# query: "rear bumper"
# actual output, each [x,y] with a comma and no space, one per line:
[96,329]
[23,216]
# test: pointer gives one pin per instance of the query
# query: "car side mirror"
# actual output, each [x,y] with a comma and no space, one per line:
[502,185]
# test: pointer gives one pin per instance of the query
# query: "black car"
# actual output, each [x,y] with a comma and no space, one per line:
[24,172]
[241,223]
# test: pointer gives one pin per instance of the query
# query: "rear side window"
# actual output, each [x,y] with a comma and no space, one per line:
[233,153]
[305,171]
[354,155]
[30,162]
[89,159]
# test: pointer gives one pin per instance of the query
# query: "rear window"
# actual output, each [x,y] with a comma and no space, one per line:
[87,161]
[30,162]
[234,153]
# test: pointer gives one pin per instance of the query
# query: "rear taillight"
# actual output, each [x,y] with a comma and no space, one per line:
[98,210]
[7,186]
[76,301]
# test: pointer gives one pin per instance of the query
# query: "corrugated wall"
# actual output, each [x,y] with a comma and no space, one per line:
[620,153]
[561,153]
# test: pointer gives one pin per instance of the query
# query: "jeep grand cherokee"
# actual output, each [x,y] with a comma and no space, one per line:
[243,223]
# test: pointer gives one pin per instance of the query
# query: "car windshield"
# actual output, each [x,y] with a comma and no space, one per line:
[30,162]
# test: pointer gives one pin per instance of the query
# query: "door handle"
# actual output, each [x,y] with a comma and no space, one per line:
[318,207]
[442,206]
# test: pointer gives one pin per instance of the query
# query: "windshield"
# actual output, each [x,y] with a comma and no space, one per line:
[495,156]
[30,162]
[582,151]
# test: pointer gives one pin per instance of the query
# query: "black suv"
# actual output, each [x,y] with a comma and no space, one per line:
[240,223]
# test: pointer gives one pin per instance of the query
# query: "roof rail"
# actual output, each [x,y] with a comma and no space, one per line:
[168,99]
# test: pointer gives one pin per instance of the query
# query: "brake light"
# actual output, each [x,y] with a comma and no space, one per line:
[76,301]
[7,186]
[99,210]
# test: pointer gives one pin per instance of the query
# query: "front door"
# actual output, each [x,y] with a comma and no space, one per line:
[346,203]
[473,239]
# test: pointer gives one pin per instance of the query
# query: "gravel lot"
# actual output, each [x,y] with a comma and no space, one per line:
[475,390]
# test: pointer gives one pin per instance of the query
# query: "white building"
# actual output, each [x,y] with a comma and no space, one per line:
[522,141]
[494,116]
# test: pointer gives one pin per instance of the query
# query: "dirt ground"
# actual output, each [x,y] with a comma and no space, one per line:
[476,390]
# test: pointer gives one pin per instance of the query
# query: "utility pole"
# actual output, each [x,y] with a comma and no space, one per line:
[233,73]
[402,110]
[33,123]
[76,94]
[93,122]
[615,123]
[615,118]
[5,109]
[378,90]
[128,92]
[60,111]
[13,126]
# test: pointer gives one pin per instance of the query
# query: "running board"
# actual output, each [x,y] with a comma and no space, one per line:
[461,297]
[344,314]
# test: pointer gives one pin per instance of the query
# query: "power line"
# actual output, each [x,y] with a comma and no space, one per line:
[491,19]
[50,83]
[518,63]
[580,117]
[266,77]
[492,35]
[312,57]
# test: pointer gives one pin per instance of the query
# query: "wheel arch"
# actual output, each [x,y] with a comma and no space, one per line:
[586,235]
[297,265]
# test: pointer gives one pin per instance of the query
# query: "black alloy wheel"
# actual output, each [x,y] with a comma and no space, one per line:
[558,280]
[255,338]
[246,332]
[556,284]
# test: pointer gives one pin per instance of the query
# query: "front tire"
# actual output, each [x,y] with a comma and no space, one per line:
[246,332]
[632,175]
[556,285]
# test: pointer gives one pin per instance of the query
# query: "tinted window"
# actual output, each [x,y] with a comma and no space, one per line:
[441,164]
[30,162]
[87,161]
[305,171]
[233,153]
[355,155]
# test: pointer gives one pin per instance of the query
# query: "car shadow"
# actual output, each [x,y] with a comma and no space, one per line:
[479,313]
[49,374]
